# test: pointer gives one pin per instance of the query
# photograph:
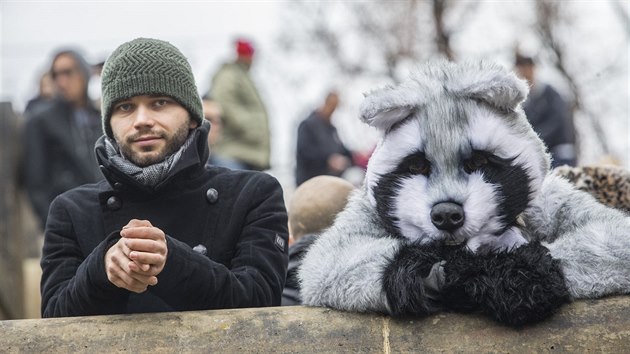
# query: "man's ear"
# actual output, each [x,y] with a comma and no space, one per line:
[193,124]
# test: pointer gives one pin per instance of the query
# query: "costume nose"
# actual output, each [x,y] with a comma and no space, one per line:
[447,216]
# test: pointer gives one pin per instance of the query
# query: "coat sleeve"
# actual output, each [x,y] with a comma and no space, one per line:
[72,284]
[256,275]
[591,241]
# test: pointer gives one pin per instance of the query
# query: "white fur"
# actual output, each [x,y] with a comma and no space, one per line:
[490,133]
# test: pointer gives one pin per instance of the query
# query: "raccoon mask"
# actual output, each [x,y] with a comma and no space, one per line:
[458,211]
[458,160]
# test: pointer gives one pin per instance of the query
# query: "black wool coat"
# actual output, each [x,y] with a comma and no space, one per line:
[58,153]
[226,237]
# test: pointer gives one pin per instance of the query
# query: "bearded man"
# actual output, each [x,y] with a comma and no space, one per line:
[162,232]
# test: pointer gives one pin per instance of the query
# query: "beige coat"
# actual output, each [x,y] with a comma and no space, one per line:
[245,134]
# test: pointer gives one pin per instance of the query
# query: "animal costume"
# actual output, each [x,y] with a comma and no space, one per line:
[459,212]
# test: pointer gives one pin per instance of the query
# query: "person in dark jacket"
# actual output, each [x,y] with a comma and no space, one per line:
[319,149]
[312,209]
[161,232]
[59,136]
[549,115]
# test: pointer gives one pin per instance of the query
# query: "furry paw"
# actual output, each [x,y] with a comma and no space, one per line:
[413,278]
[516,287]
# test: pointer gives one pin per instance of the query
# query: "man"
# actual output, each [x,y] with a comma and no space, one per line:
[313,208]
[245,142]
[319,149]
[161,233]
[549,115]
[59,138]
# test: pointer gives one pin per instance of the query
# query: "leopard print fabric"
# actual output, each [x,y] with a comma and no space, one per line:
[610,185]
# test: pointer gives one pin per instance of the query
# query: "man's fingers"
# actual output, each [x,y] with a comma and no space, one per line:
[147,258]
[144,245]
[137,223]
[145,232]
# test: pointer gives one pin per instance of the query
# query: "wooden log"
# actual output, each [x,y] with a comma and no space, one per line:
[595,325]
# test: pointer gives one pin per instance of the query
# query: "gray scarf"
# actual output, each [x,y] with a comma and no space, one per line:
[150,175]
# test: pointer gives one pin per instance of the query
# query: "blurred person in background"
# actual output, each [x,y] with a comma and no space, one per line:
[212,113]
[245,141]
[45,95]
[313,208]
[59,140]
[549,115]
[319,149]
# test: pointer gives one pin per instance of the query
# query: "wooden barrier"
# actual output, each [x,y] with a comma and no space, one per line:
[598,325]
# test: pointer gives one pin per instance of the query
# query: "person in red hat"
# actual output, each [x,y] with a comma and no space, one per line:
[245,141]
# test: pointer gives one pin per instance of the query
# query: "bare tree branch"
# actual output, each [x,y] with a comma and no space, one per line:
[547,18]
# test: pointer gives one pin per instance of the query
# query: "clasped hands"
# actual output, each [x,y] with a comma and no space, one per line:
[135,261]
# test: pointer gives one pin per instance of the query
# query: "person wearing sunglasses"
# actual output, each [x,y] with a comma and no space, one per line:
[59,138]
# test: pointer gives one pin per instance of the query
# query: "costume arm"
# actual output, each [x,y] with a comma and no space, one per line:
[256,275]
[74,285]
[356,266]
[240,115]
[591,241]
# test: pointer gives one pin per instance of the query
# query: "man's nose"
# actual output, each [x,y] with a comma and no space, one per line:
[143,116]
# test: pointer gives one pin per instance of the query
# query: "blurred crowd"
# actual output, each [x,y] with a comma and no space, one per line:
[62,122]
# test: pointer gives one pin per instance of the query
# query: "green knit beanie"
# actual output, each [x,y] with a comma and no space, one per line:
[148,67]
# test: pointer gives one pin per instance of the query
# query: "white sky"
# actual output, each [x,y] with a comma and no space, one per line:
[32,30]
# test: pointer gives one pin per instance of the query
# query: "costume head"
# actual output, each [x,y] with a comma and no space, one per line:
[458,158]
[148,67]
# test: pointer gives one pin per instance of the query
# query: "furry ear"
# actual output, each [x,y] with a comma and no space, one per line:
[387,106]
[491,84]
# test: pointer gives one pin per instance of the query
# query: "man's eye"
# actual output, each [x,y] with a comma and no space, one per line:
[125,107]
[161,102]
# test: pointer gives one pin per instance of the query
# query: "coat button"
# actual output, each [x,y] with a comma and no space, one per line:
[118,185]
[212,195]
[201,249]
[114,203]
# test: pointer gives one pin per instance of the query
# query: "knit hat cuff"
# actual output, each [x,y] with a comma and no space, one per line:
[125,87]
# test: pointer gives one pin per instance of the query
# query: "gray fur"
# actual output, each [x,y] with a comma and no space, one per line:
[447,110]
[592,241]
[342,269]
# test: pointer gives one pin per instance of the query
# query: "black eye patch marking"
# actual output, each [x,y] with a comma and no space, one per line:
[511,179]
[386,190]
[479,159]
[414,164]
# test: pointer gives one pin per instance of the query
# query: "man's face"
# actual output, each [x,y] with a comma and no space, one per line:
[150,128]
[68,78]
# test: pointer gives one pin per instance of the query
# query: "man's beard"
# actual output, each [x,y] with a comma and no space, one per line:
[172,145]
